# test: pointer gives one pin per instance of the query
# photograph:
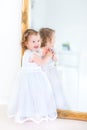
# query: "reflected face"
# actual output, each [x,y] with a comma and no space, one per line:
[34,42]
[52,42]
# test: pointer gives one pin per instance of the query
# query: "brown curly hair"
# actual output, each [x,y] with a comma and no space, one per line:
[26,35]
[46,35]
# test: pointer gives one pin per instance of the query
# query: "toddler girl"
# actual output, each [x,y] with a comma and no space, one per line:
[32,97]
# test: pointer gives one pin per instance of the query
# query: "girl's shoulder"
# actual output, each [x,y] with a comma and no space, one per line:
[26,56]
[31,53]
[27,53]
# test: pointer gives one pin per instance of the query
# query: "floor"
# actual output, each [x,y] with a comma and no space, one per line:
[58,124]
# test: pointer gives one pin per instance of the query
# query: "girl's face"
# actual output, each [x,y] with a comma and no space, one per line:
[52,42]
[33,42]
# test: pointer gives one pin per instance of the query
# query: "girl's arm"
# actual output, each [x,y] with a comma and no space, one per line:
[41,61]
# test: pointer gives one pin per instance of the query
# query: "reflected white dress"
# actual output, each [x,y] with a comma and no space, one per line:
[55,79]
[32,97]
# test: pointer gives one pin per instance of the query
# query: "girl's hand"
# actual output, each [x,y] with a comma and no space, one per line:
[49,53]
[51,49]
[54,57]
[44,51]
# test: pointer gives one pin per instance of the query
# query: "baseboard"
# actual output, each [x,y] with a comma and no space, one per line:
[65,114]
[68,114]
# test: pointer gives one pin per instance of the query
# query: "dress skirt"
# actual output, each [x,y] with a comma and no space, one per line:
[32,97]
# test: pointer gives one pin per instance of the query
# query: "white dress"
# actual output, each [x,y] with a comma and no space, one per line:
[32,97]
[55,80]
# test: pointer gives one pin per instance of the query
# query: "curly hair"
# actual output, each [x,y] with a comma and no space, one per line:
[46,35]
[26,35]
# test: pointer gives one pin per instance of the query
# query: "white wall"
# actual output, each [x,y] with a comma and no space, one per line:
[10,52]
[38,13]
[69,19]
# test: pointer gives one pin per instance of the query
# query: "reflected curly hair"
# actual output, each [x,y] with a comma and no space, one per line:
[46,35]
[26,35]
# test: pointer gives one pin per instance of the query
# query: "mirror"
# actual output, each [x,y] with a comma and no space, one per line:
[69,20]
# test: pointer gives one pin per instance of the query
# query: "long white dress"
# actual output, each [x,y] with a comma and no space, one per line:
[53,75]
[32,97]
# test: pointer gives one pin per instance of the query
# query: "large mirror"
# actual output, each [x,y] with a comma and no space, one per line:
[69,19]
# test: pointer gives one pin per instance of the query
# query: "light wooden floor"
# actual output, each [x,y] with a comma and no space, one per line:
[59,124]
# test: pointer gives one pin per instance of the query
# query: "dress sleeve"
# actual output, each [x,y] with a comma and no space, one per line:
[27,57]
